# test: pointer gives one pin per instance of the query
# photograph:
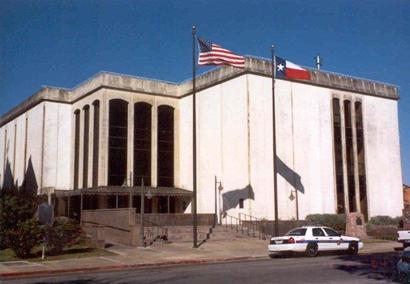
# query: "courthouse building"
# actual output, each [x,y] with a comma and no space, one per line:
[93,145]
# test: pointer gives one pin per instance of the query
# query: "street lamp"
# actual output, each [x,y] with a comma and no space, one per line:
[294,196]
[218,184]
[142,209]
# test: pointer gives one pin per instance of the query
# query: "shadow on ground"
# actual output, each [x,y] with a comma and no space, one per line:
[374,266]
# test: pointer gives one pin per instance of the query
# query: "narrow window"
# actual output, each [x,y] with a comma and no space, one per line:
[337,142]
[142,143]
[361,159]
[117,145]
[76,147]
[241,203]
[86,110]
[349,156]
[96,141]
[165,146]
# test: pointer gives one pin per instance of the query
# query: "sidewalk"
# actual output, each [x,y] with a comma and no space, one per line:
[158,254]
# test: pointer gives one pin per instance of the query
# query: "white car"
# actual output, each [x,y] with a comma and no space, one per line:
[312,240]
[403,236]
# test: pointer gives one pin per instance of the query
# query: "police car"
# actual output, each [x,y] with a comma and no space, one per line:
[313,239]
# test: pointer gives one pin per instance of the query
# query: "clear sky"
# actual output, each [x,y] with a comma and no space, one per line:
[62,43]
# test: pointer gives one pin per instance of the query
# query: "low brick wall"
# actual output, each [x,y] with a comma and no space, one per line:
[121,218]
[115,225]
[122,225]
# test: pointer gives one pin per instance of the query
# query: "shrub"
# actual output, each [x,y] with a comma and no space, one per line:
[385,220]
[385,232]
[335,221]
[16,206]
[64,232]
[25,237]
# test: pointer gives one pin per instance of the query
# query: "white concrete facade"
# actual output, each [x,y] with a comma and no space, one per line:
[234,140]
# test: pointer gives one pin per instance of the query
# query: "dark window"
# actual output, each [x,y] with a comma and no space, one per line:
[86,110]
[337,142]
[297,232]
[350,156]
[76,147]
[142,143]
[117,145]
[162,204]
[331,233]
[96,141]
[318,232]
[123,201]
[165,146]
[241,203]
[361,159]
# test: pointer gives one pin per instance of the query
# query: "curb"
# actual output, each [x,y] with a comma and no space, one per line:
[25,274]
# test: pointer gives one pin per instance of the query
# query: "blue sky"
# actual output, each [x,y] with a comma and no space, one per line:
[61,43]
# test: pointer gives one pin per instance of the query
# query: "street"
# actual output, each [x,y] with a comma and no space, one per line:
[323,269]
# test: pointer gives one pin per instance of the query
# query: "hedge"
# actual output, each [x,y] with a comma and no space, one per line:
[335,221]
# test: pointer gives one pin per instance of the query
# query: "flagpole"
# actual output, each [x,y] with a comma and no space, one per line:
[194,203]
[275,184]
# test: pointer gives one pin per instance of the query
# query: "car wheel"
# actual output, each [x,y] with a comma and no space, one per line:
[311,250]
[353,248]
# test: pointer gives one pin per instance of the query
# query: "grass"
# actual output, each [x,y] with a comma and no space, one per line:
[76,251]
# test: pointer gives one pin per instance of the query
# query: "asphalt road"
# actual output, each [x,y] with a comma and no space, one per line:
[378,268]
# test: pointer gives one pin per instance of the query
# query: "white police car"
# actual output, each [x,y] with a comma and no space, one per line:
[312,240]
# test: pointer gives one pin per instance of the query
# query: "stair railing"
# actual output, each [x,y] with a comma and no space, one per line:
[232,222]
[154,232]
[252,224]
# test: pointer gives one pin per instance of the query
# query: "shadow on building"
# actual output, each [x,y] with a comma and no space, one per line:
[233,198]
[292,177]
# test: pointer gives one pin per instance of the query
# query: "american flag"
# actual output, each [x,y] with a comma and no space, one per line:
[213,54]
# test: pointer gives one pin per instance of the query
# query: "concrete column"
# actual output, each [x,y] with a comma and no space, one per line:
[42,147]
[14,151]
[81,150]
[177,174]
[4,155]
[345,180]
[103,153]
[72,147]
[90,146]
[355,159]
[154,144]
[102,201]
[130,147]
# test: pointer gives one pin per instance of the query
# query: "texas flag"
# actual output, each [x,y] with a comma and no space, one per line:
[288,70]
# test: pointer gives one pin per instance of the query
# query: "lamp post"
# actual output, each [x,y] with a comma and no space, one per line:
[294,196]
[220,188]
[149,196]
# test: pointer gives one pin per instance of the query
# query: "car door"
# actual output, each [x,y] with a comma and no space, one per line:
[320,238]
[334,239]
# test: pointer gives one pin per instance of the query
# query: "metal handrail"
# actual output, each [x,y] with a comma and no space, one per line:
[246,224]
[154,232]
[252,224]
[232,221]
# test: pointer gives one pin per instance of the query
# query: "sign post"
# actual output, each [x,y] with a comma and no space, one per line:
[45,213]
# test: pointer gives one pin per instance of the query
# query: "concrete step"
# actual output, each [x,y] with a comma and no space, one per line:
[185,233]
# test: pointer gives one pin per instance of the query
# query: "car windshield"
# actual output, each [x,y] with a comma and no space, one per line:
[297,232]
